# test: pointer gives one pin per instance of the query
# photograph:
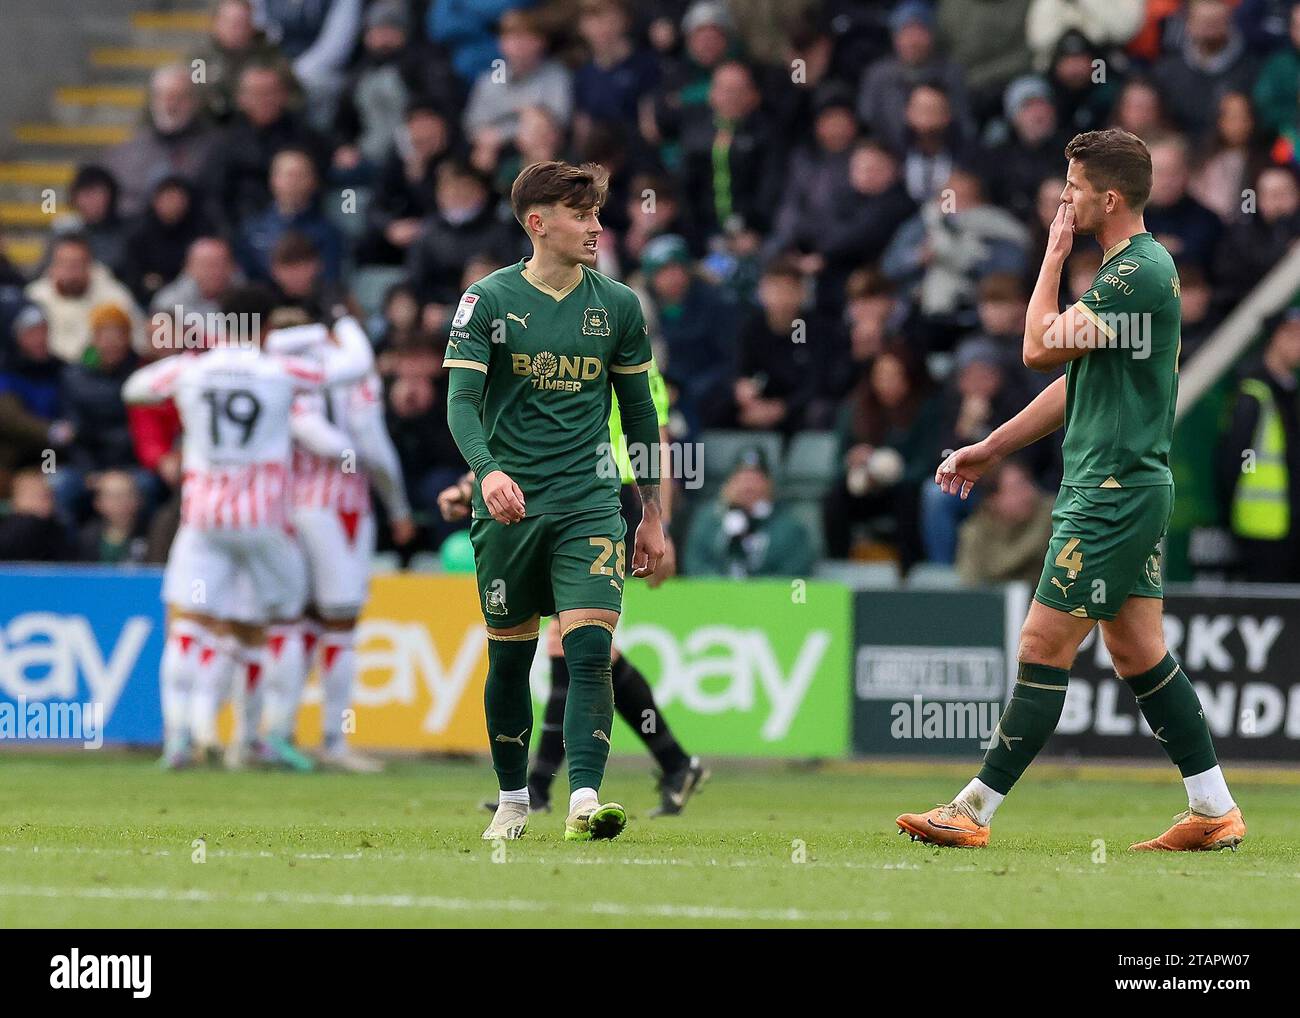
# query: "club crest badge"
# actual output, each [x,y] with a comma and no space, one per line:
[595,322]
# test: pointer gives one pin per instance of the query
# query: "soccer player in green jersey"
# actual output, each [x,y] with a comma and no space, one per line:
[1119,343]
[533,352]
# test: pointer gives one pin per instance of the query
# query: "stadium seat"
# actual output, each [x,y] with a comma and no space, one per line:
[811,465]
[808,511]
[371,282]
[933,576]
[860,575]
[723,448]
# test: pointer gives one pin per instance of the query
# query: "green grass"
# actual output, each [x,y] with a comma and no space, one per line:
[106,840]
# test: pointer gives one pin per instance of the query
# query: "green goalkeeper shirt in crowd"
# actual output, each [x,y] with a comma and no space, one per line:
[548,355]
[1119,397]
[618,441]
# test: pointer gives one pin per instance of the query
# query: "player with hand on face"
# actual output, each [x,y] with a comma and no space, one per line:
[533,351]
[1120,343]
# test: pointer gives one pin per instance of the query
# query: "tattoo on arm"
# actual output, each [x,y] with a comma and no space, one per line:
[650,497]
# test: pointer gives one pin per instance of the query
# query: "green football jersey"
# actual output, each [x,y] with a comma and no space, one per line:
[548,355]
[659,393]
[1120,396]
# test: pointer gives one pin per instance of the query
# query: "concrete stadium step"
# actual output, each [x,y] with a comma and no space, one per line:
[99,104]
[73,135]
[37,174]
[29,214]
[135,58]
[24,250]
[196,19]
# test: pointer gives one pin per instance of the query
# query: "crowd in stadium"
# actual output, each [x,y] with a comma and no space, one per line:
[833,212]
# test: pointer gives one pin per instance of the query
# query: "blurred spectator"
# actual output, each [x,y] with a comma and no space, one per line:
[73,285]
[92,398]
[298,277]
[93,195]
[464,223]
[1140,110]
[653,209]
[318,36]
[237,182]
[233,43]
[1259,460]
[1032,151]
[875,205]
[933,145]
[683,94]
[1106,22]
[1002,303]
[32,421]
[465,27]
[30,531]
[157,242]
[405,187]
[1275,88]
[112,536]
[732,158]
[981,394]
[610,85]
[393,73]
[887,84]
[889,442]
[295,208]
[776,370]
[1211,61]
[417,422]
[1082,97]
[540,138]
[872,315]
[697,324]
[208,274]
[1182,224]
[1254,245]
[175,140]
[400,321]
[941,253]
[987,41]
[1232,158]
[528,78]
[817,191]
[1200,318]
[1006,538]
[746,533]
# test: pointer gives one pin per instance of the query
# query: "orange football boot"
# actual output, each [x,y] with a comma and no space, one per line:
[1195,832]
[951,826]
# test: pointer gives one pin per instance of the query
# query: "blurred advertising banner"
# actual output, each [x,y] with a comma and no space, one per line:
[1241,649]
[79,650]
[930,669]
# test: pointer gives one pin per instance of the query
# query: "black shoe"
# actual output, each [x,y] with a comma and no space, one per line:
[677,787]
[537,803]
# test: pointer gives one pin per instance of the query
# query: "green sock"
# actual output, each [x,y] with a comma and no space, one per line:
[589,713]
[1026,724]
[508,704]
[1172,709]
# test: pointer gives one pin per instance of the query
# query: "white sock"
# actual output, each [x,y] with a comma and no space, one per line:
[581,796]
[177,673]
[519,795]
[215,670]
[982,800]
[252,676]
[286,667]
[338,667]
[1207,793]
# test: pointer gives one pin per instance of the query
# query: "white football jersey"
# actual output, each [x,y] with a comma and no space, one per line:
[333,479]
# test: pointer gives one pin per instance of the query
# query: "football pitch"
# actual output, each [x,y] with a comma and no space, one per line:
[107,840]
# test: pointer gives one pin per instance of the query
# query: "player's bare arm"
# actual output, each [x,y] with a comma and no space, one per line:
[504,499]
[648,549]
[1053,338]
[960,470]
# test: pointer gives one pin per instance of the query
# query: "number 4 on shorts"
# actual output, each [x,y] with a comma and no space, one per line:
[1070,559]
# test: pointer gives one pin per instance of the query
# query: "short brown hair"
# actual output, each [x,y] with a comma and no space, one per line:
[1115,160]
[557,183]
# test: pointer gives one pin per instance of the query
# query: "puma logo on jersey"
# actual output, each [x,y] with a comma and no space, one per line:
[1006,739]
[614,584]
[453,344]
[1065,587]
[519,739]
[598,734]
[512,317]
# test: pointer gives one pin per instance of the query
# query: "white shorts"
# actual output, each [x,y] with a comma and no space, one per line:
[256,575]
[338,559]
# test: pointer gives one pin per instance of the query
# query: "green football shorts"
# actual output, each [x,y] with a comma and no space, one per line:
[1105,548]
[549,563]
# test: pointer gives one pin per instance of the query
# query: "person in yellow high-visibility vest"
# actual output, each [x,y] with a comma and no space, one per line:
[1259,461]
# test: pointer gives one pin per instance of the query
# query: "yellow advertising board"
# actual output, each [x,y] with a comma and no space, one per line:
[421,664]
